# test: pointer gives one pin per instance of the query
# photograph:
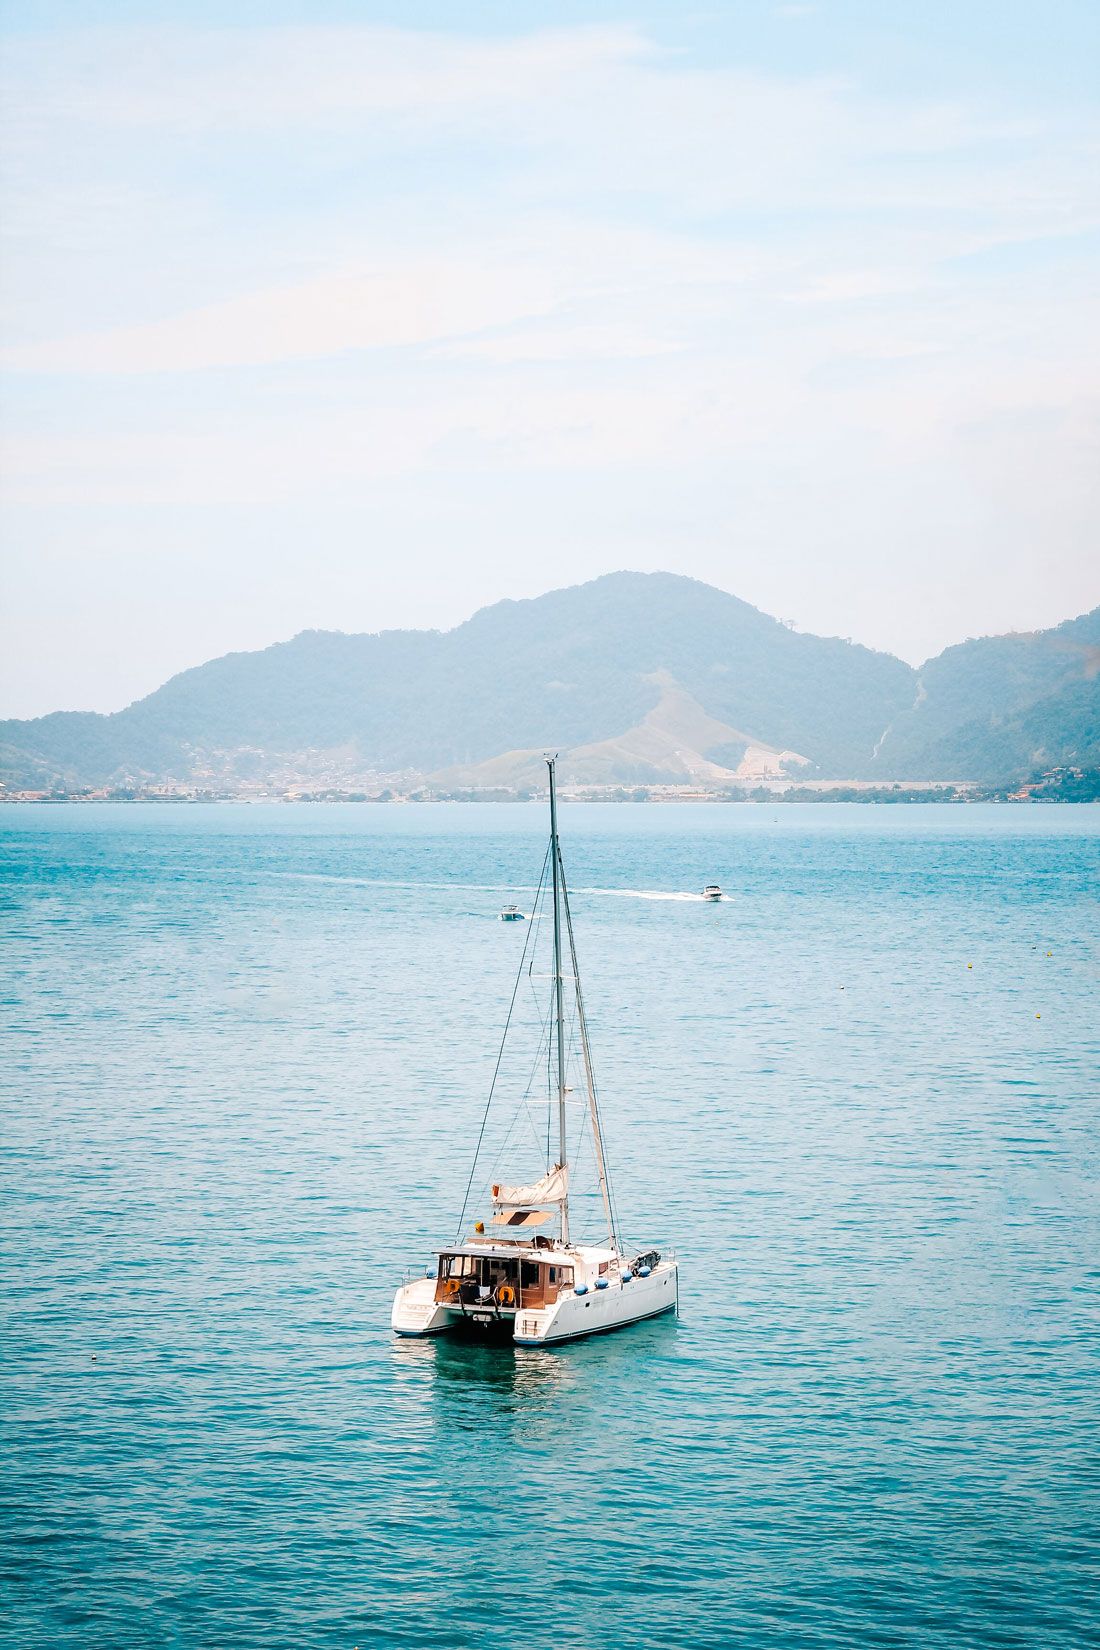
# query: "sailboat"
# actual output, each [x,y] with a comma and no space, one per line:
[542,1288]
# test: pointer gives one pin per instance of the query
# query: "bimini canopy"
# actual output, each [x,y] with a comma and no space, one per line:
[552,1188]
[520,1217]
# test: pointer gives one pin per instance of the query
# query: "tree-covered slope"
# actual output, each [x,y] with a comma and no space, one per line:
[1000,707]
[570,668]
[1060,730]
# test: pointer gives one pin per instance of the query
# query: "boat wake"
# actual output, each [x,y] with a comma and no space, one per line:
[654,894]
[387,882]
[498,887]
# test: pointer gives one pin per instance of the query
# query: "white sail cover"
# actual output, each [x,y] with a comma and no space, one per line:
[551,1188]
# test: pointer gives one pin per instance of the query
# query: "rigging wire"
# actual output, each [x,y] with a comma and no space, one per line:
[590,1075]
[523,1108]
[590,1122]
[500,1051]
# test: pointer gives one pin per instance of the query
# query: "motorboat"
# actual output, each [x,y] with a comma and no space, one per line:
[512,913]
[712,891]
[504,1278]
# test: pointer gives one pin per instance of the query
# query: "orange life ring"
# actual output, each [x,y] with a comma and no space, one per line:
[506,1295]
[451,1286]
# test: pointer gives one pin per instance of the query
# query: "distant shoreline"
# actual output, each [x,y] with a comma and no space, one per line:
[1072,788]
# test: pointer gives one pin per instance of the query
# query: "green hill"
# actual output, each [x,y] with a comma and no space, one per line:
[1001,707]
[638,676]
[571,668]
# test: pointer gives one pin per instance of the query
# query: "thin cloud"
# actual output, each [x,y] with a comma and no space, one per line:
[236,80]
[248,269]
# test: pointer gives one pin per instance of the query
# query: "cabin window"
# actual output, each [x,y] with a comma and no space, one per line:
[529,1274]
[567,1277]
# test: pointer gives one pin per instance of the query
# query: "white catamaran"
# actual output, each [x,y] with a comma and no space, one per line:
[533,1288]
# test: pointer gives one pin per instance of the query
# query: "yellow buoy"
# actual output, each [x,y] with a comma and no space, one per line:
[1038,1016]
[1050,953]
[970,965]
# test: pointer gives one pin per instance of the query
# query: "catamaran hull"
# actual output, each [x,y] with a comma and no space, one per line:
[417,1313]
[416,1310]
[575,1316]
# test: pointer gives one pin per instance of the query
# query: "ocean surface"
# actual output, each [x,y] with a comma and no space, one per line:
[246,1051]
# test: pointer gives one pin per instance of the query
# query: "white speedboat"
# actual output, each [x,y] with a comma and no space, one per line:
[512,913]
[712,891]
[505,1278]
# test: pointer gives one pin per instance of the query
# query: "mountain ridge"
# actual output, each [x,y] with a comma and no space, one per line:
[585,670]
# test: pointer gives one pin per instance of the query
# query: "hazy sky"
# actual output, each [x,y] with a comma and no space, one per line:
[365,315]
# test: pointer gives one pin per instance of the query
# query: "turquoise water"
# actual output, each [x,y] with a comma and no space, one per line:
[246,1051]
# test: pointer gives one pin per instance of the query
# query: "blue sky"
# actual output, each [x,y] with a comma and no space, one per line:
[357,316]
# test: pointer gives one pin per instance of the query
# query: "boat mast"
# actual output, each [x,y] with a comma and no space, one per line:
[559,1007]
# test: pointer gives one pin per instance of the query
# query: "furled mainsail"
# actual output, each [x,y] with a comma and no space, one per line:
[552,1188]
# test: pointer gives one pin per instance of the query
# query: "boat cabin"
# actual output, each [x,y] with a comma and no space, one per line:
[503,1278]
